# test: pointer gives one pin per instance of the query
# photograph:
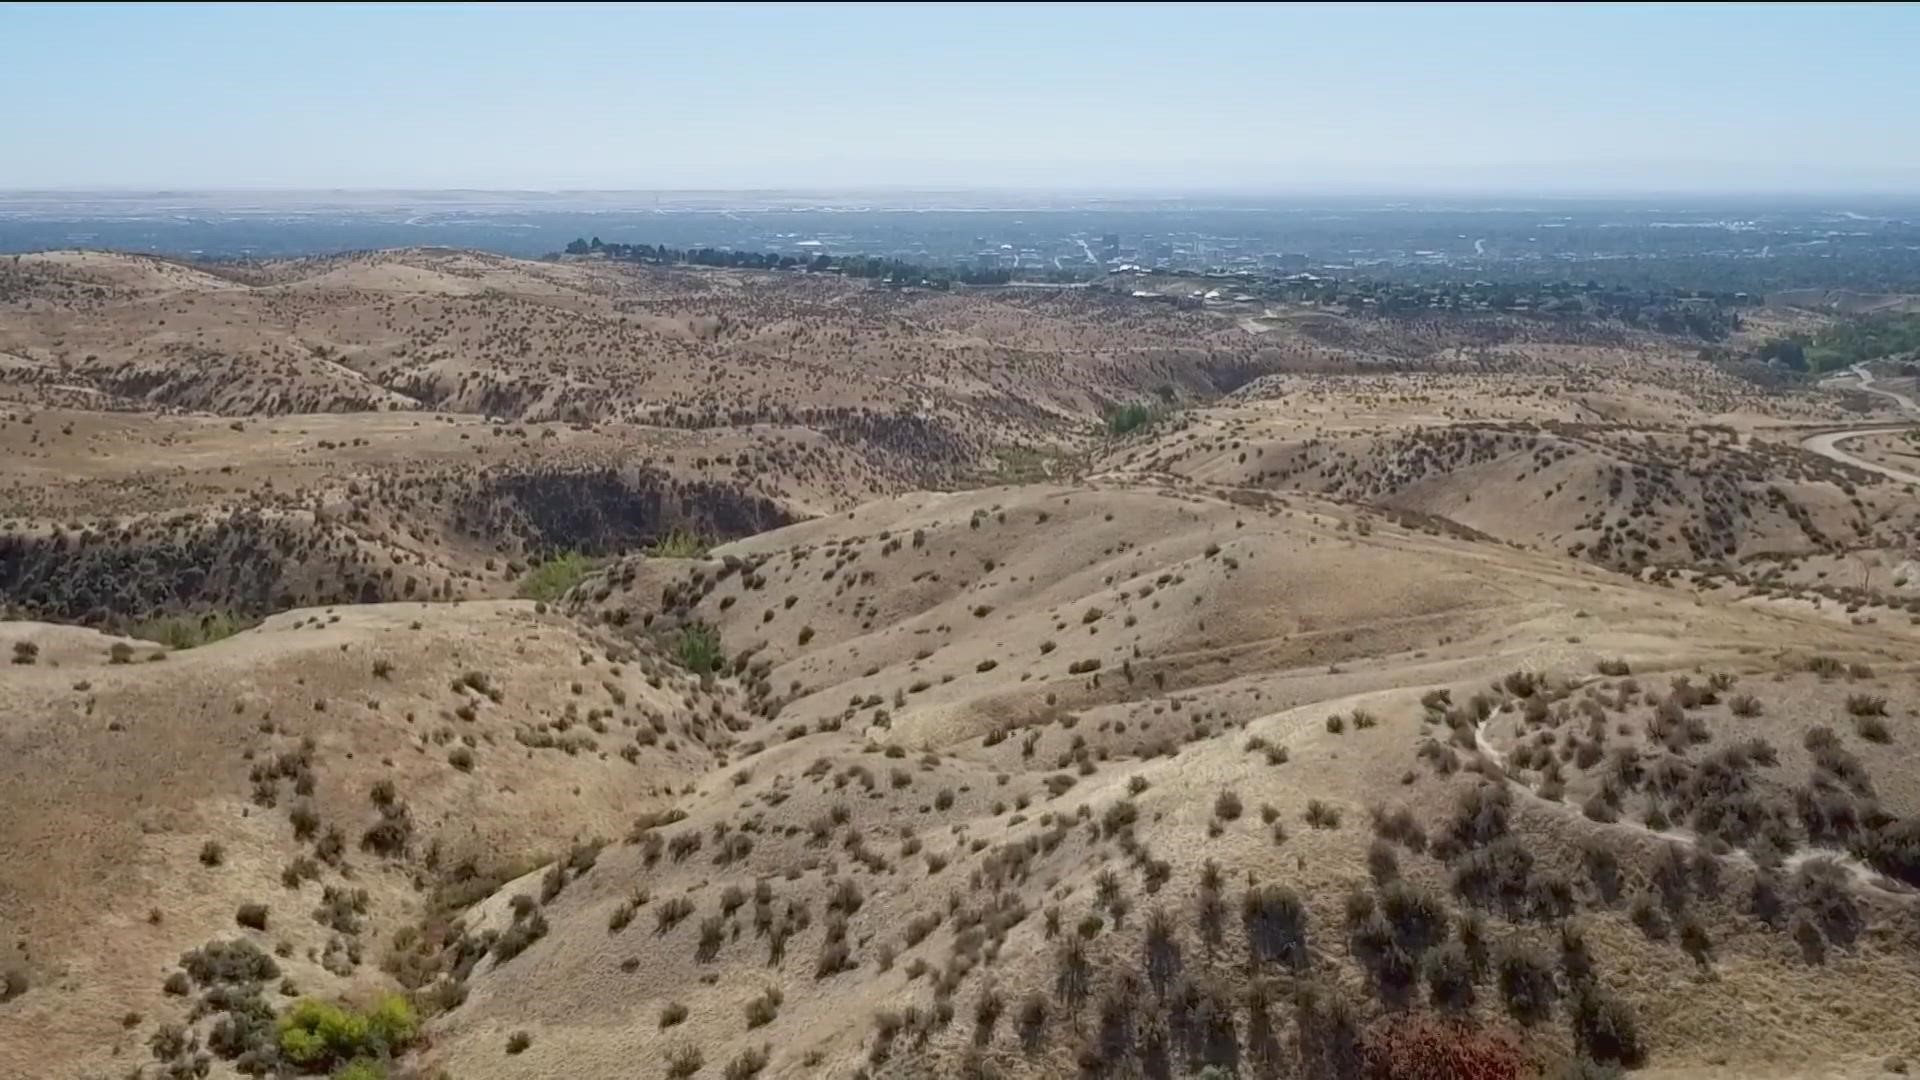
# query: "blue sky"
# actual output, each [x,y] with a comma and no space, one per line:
[1168,95]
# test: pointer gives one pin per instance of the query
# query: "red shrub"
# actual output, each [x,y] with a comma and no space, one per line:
[1428,1048]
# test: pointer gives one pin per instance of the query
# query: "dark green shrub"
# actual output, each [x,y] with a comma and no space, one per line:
[698,649]
[1605,1029]
[1526,982]
[1129,418]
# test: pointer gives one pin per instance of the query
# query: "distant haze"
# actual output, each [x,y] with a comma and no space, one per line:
[1182,97]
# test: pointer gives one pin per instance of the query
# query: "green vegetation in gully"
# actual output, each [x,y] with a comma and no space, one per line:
[679,544]
[551,579]
[698,649]
[188,631]
[1129,418]
[1849,343]
[318,1035]
[1028,465]
[1845,344]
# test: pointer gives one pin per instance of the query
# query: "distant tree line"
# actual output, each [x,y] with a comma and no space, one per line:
[1845,344]
[1701,313]
[871,267]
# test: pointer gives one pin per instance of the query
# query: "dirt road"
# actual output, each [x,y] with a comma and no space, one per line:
[1828,445]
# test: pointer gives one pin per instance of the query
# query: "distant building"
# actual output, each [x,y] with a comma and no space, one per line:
[1110,246]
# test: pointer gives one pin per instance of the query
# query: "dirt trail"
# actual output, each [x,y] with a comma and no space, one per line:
[1866,383]
[1863,875]
[1828,445]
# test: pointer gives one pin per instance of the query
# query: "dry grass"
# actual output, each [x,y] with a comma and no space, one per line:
[950,782]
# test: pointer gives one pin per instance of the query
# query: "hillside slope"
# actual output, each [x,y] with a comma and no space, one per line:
[944,804]
[375,750]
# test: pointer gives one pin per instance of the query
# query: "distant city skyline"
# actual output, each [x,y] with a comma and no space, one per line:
[1222,98]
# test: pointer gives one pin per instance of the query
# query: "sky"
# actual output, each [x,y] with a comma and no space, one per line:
[1167,96]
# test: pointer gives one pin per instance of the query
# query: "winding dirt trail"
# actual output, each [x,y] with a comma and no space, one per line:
[1828,445]
[1866,383]
[1863,874]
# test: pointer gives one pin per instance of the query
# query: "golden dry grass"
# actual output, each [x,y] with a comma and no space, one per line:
[957,704]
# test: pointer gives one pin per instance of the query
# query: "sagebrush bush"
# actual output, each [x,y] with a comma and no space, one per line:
[1694,938]
[713,934]
[1894,849]
[516,938]
[834,958]
[1417,915]
[226,962]
[1073,974]
[763,1010]
[1399,825]
[1526,981]
[1275,921]
[748,1063]
[305,820]
[393,833]
[1605,1029]
[1322,815]
[671,912]
[987,1009]
[1872,728]
[1866,705]
[1383,864]
[1032,1018]
[14,981]
[1496,875]
[1450,977]
[683,1060]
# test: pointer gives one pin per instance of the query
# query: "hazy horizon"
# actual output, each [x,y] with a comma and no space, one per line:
[1296,195]
[1302,101]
